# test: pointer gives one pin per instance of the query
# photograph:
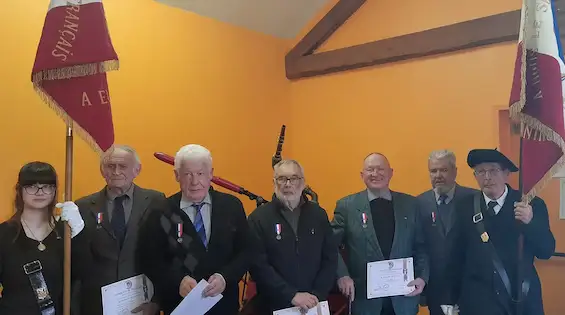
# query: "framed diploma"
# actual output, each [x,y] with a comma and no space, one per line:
[389,277]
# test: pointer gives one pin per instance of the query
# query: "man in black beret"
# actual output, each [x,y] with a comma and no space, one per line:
[483,267]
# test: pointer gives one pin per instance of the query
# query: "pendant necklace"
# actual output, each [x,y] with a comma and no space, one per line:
[40,246]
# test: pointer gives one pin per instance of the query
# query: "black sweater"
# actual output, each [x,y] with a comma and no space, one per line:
[302,262]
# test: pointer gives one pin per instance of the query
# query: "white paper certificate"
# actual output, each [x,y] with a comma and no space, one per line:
[195,303]
[119,298]
[321,309]
[389,277]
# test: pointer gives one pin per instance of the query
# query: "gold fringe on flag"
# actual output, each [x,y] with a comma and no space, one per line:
[67,119]
[76,71]
[68,73]
[544,132]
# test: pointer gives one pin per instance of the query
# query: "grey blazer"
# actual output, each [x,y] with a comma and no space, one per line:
[109,263]
[361,246]
[438,229]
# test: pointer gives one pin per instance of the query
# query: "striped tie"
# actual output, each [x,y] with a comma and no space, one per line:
[199,223]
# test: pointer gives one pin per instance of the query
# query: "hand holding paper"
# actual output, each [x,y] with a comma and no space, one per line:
[321,308]
[217,285]
[195,303]
[186,285]
[304,300]
[418,285]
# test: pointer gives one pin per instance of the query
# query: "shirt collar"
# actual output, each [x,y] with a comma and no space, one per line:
[449,194]
[500,200]
[112,195]
[185,204]
[382,193]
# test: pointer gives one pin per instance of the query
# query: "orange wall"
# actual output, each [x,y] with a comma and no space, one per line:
[183,79]
[405,109]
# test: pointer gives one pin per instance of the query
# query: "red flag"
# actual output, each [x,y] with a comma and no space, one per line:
[69,73]
[536,101]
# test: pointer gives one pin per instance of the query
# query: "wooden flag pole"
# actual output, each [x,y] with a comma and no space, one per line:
[67,236]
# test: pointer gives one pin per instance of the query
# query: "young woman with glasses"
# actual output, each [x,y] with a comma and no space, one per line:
[31,245]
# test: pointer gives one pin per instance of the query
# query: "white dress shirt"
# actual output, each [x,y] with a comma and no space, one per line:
[500,200]
[206,210]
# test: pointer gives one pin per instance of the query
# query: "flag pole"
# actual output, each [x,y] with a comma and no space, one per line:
[67,235]
[519,271]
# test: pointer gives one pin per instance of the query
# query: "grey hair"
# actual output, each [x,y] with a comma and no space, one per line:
[291,162]
[122,147]
[193,152]
[444,154]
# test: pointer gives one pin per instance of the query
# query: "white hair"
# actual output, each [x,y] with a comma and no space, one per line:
[193,152]
[444,154]
[122,147]
[291,162]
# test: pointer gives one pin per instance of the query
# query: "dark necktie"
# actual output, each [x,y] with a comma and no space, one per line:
[442,209]
[119,219]
[491,205]
[199,223]
[442,199]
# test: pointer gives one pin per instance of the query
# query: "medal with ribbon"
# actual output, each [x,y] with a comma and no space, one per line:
[433,218]
[99,219]
[364,219]
[278,230]
[179,232]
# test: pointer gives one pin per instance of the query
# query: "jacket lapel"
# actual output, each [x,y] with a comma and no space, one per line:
[431,207]
[188,225]
[363,206]
[140,204]
[98,205]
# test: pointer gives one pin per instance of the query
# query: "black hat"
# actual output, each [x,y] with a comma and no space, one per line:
[478,156]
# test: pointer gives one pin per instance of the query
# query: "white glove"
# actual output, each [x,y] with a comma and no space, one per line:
[71,214]
[450,309]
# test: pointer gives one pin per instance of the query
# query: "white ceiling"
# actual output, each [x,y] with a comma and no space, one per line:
[280,18]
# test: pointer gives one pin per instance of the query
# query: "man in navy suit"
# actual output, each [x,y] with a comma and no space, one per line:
[484,264]
[437,218]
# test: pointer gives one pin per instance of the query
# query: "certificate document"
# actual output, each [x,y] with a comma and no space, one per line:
[119,298]
[389,277]
[321,309]
[195,303]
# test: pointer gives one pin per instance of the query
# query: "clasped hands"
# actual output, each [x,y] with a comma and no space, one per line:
[216,285]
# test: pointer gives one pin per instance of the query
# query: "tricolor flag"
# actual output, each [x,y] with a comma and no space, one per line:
[536,101]
[73,56]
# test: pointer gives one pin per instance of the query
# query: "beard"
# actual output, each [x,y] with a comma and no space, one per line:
[290,201]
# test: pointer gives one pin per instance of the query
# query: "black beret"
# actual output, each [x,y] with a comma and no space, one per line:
[478,156]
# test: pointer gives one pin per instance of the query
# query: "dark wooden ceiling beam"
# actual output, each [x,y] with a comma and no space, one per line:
[302,62]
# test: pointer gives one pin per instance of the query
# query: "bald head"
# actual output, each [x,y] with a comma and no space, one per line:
[376,173]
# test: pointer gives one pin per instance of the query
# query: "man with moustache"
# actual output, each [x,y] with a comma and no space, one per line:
[296,255]
[196,234]
[112,217]
[379,224]
[483,261]
[437,217]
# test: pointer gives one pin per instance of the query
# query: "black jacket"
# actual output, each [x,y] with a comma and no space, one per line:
[475,283]
[165,261]
[306,262]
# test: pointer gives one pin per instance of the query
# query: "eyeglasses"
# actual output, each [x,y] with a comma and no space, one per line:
[281,180]
[492,172]
[34,189]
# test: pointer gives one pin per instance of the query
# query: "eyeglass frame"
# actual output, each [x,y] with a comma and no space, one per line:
[296,180]
[491,172]
[37,189]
